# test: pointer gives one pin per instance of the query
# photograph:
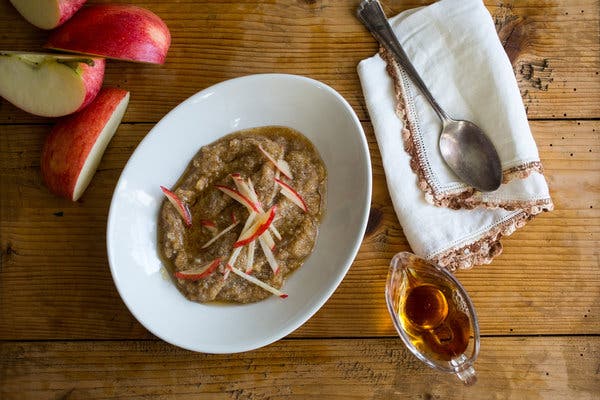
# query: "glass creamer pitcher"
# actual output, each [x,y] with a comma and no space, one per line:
[433,315]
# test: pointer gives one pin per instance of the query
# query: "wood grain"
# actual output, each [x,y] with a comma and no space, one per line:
[508,368]
[55,282]
[66,334]
[553,45]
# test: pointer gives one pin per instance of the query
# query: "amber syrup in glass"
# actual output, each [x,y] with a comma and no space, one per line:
[431,314]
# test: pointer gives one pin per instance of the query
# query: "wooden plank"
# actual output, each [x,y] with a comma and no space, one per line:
[554,47]
[508,368]
[55,282]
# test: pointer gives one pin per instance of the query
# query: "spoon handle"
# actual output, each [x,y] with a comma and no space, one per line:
[372,16]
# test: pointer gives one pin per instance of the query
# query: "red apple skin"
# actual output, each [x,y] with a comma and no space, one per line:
[115,31]
[93,76]
[70,141]
[68,8]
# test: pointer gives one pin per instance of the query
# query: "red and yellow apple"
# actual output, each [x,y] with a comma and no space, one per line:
[49,85]
[47,14]
[116,31]
[75,146]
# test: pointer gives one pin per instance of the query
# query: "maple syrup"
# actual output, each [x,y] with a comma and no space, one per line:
[432,318]
[433,315]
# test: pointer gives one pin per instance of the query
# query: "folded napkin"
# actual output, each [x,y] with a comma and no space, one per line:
[454,46]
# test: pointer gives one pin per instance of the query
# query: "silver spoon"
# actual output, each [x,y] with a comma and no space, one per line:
[463,145]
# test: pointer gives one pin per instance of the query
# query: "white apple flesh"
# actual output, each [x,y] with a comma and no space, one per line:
[117,31]
[47,14]
[75,146]
[49,85]
[257,282]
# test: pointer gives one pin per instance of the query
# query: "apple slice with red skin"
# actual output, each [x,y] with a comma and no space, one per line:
[281,165]
[47,14]
[244,189]
[74,147]
[234,194]
[259,226]
[291,194]
[198,273]
[50,85]
[123,32]
[210,225]
[254,197]
[181,207]
[257,282]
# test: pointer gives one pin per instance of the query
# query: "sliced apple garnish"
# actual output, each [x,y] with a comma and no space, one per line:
[291,194]
[200,272]
[266,236]
[210,225]
[269,255]
[231,261]
[281,164]
[245,190]
[218,235]
[257,282]
[234,194]
[250,256]
[258,227]
[181,207]
[254,197]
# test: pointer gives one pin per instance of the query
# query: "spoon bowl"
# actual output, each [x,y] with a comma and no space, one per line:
[471,155]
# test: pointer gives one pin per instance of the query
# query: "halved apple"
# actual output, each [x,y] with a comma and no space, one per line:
[257,282]
[200,272]
[47,14]
[49,85]
[291,194]
[259,226]
[75,146]
[181,207]
[123,32]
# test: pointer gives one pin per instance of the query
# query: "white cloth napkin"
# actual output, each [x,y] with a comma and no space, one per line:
[454,46]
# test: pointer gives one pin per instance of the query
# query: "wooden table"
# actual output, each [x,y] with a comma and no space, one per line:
[66,334]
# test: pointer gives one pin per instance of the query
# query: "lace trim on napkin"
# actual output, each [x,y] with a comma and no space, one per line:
[488,246]
[460,198]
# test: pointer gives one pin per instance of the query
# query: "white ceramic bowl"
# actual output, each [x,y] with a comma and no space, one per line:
[307,105]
